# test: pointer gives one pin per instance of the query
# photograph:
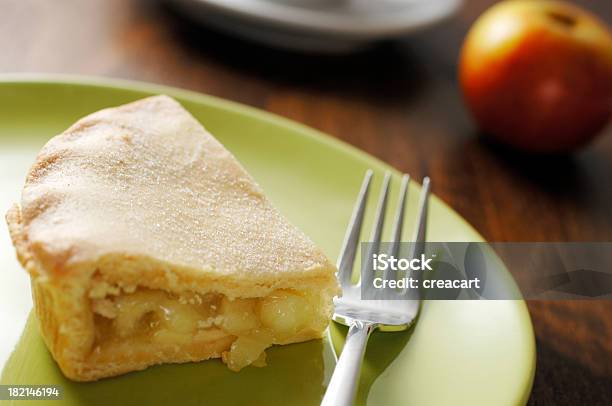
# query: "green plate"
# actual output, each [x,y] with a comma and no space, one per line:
[459,353]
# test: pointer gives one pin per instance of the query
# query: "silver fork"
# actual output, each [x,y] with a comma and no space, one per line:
[364,316]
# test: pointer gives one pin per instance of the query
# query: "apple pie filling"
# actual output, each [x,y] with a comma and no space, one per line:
[158,320]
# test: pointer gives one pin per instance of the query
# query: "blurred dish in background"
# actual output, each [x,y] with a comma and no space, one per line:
[331,26]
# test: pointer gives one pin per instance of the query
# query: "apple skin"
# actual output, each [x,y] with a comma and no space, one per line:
[537,75]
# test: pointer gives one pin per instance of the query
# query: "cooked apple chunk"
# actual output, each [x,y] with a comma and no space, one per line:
[157,319]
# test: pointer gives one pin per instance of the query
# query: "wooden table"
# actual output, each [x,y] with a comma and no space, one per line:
[399,102]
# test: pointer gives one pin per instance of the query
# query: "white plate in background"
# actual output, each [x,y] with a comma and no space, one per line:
[317,25]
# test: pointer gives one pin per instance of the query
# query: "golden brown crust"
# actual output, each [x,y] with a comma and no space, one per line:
[13,220]
[61,307]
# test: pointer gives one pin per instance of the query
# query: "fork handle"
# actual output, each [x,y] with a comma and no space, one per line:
[343,385]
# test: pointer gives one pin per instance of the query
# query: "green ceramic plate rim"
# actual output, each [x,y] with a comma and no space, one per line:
[299,129]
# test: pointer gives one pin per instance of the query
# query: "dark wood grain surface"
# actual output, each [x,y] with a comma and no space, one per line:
[398,101]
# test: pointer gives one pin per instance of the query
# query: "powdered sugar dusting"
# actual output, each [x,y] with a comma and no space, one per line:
[147,179]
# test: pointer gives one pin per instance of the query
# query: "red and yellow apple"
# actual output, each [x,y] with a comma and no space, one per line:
[537,75]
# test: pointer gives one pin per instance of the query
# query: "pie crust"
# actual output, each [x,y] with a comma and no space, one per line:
[147,242]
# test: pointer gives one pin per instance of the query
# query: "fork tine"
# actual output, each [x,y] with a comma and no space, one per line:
[398,223]
[421,228]
[420,231]
[377,230]
[381,209]
[351,239]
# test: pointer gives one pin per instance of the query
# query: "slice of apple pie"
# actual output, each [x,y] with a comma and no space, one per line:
[147,242]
